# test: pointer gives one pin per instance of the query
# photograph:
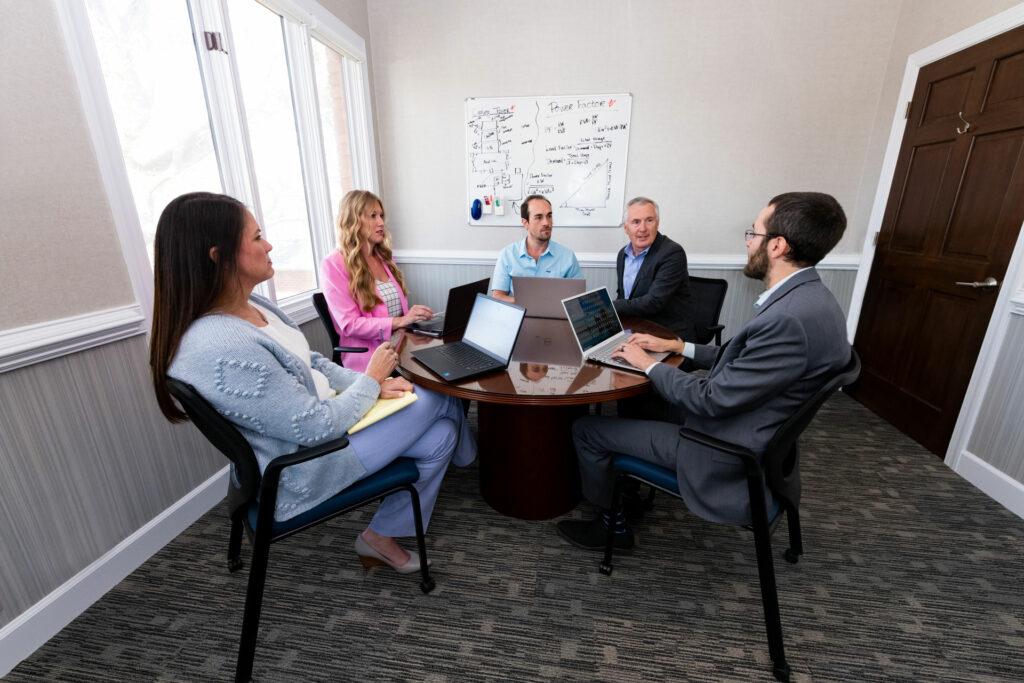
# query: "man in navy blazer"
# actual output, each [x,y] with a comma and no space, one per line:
[794,342]
[653,282]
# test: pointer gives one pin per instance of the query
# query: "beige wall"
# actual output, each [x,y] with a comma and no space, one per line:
[732,103]
[60,255]
[921,23]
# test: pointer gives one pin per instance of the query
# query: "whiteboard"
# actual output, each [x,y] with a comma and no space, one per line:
[571,149]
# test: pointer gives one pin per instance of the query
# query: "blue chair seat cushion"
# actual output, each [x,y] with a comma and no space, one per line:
[655,474]
[665,478]
[399,472]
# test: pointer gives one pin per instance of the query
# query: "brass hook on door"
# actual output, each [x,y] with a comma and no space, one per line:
[967,124]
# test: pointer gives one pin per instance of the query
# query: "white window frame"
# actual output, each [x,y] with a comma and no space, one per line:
[304,19]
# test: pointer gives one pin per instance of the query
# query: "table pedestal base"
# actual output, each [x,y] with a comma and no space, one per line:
[528,466]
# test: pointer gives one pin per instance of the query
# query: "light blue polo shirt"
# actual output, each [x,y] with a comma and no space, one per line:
[556,261]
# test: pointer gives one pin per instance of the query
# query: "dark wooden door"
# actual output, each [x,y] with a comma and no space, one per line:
[953,215]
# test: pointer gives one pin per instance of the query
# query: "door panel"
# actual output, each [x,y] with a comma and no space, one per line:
[1007,87]
[945,97]
[954,211]
[927,378]
[990,168]
[924,177]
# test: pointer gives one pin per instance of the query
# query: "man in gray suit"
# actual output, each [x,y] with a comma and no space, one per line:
[794,342]
[653,282]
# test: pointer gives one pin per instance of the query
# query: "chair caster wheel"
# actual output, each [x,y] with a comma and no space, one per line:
[605,569]
[235,564]
[781,672]
[427,586]
[790,556]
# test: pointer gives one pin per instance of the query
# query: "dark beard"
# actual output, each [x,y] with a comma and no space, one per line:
[757,263]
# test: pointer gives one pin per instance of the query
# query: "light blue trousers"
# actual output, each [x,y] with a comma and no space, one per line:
[432,431]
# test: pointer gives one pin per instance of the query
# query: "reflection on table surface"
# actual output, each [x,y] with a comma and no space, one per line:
[546,361]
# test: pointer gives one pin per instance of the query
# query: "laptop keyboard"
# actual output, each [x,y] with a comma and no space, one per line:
[605,356]
[466,356]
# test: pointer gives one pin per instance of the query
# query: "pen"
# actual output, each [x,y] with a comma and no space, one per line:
[380,332]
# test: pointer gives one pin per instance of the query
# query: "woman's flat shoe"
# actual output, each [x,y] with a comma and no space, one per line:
[371,558]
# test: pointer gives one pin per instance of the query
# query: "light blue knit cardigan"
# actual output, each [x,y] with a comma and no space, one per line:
[268,393]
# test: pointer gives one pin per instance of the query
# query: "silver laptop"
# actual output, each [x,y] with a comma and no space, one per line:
[542,296]
[597,328]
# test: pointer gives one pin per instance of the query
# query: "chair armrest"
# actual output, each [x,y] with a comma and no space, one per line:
[749,458]
[351,349]
[717,329]
[303,455]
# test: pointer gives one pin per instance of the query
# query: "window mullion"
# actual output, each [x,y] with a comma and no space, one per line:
[227,115]
[360,129]
[311,147]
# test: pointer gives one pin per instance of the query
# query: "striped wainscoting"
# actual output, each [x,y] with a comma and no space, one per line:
[87,463]
[999,432]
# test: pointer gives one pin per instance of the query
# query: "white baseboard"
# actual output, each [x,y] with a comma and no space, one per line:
[999,486]
[31,629]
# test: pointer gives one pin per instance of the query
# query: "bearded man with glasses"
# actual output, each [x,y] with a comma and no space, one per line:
[794,342]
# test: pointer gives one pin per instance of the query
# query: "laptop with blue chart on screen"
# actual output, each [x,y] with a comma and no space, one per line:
[486,346]
[597,328]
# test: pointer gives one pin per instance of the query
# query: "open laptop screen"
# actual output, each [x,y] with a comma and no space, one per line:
[593,317]
[493,326]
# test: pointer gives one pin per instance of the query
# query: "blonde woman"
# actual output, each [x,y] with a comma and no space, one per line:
[363,286]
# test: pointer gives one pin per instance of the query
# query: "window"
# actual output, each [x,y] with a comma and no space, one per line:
[245,98]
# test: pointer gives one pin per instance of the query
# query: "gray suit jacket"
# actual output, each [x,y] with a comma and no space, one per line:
[661,291]
[793,344]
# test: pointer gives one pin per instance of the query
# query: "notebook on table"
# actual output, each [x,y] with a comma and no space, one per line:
[456,312]
[542,296]
[486,346]
[597,328]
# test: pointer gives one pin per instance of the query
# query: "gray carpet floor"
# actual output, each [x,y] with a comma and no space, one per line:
[910,574]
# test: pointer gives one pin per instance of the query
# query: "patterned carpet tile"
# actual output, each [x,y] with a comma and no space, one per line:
[910,574]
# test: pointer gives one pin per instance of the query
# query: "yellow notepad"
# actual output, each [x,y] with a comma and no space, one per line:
[381,409]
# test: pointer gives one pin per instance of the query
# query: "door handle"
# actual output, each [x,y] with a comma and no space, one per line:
[987,284]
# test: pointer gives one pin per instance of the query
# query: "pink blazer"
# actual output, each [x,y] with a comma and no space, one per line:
[355,326]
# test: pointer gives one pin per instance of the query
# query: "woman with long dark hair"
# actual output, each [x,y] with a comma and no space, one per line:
[365,290]
[251,362]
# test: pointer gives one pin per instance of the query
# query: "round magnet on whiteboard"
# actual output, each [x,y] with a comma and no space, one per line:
[476,209]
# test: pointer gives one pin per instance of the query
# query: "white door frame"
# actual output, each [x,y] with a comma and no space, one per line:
[996,484]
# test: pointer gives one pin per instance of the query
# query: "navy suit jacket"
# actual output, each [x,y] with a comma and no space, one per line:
[661,291]
[792,345]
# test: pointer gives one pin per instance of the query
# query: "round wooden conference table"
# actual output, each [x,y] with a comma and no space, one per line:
[527,461]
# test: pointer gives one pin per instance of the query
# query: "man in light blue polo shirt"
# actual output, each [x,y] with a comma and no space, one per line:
[534,256]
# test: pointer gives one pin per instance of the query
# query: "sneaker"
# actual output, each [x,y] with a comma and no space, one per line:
[591,534]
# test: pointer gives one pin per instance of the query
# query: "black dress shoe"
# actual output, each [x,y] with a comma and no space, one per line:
[591,534]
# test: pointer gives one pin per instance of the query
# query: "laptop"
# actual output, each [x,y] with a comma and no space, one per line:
[542,296]
[454,316]
[597,328]
[486,345]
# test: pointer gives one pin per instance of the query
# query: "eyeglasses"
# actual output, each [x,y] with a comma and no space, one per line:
[750,234]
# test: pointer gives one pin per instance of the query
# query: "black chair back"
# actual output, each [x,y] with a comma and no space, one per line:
[707,295]
[782,456]
[320,304]
[227,439]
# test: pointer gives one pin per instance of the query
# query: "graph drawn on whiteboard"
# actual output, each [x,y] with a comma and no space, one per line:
[571,149]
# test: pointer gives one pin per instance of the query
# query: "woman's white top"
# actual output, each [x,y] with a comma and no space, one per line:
[293,340]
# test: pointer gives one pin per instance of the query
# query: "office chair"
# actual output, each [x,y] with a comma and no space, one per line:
[251,505]
[320,304]
[780,469]
[708,295]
